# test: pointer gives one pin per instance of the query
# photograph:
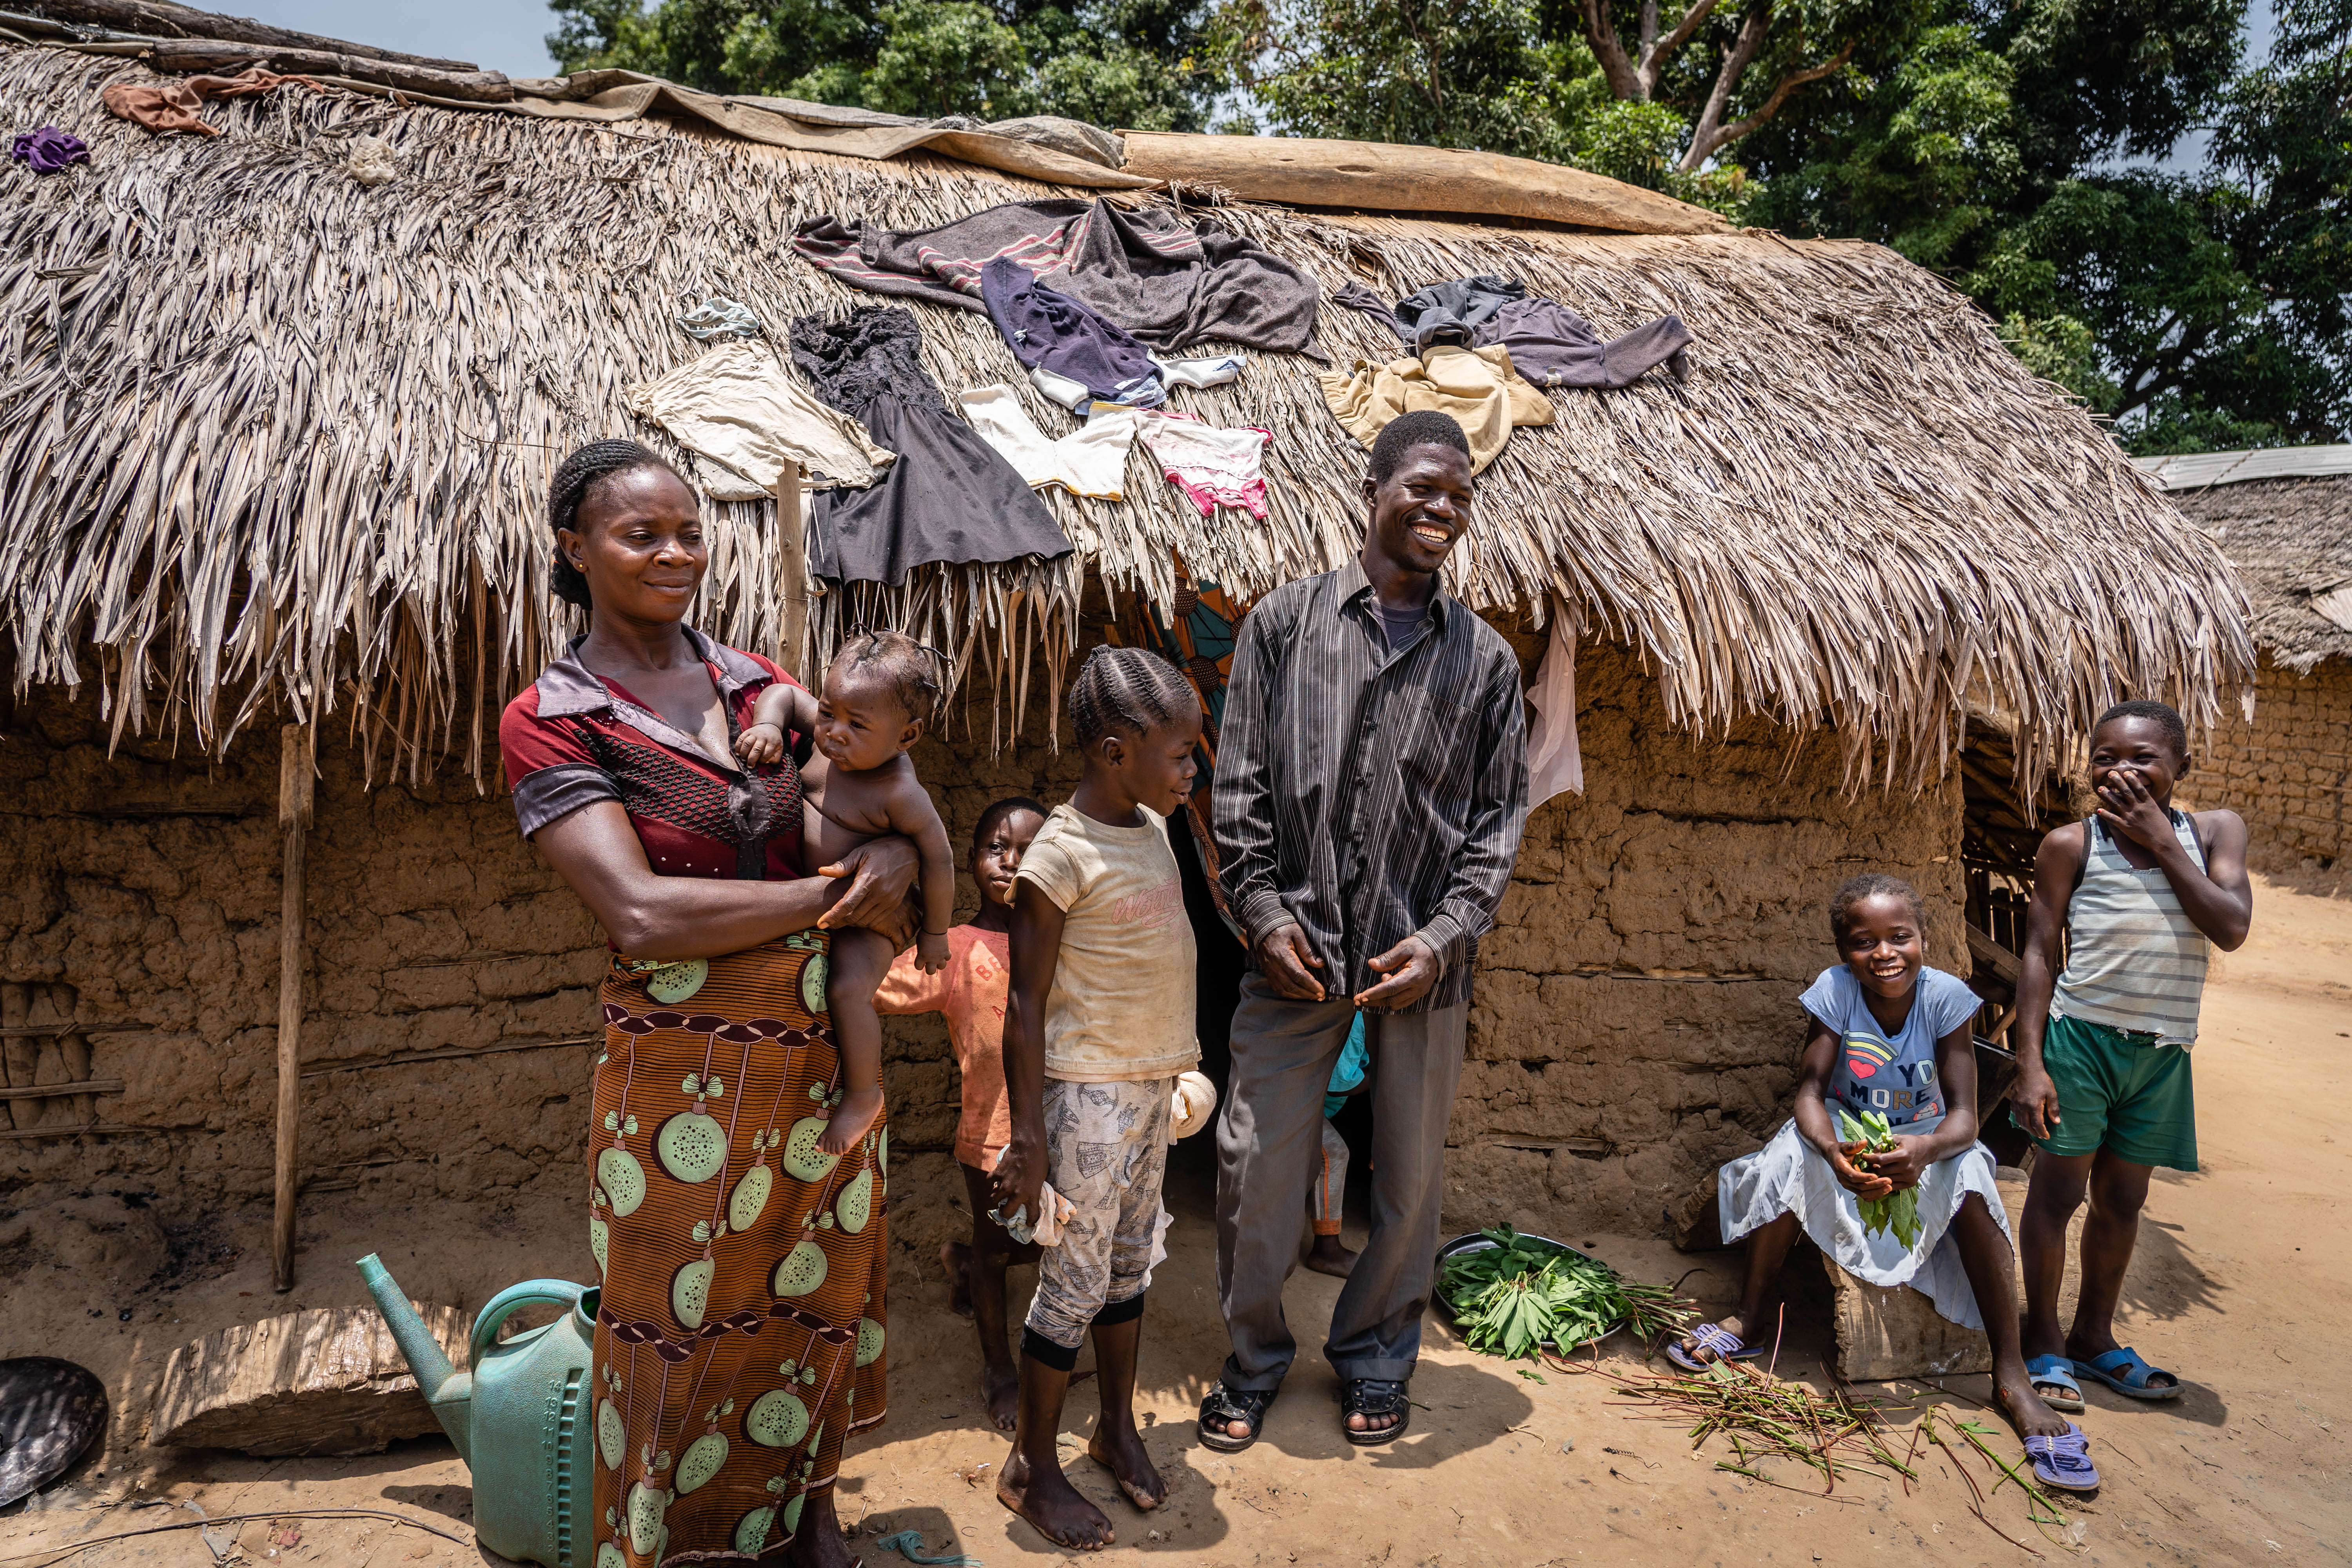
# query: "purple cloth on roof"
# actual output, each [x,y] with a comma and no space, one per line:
[1168,281]
[1045,327]
[49,148]
[1551,345]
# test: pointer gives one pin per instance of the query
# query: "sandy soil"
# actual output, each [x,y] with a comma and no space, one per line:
[2235,1285]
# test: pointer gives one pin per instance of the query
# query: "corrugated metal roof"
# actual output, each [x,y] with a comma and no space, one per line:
[2197,469]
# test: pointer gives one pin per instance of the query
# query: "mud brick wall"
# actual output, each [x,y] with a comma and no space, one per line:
[2288,774]
[1636,1017]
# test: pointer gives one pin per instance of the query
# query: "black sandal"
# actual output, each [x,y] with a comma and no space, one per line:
[1369,1398]
[1223,1405]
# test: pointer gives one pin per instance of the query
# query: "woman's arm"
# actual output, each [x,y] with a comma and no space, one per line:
[1812,1114]
[648,916]
[1036,944]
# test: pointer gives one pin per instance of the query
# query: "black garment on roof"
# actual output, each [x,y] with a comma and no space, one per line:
[1168,281]
[1551,346]
[950,497]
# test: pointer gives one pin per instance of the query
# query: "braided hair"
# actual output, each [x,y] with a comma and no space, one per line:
[1872,885]
[574,477]
[1130,691]
[911,668]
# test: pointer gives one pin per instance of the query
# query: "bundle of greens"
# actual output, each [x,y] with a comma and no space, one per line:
[1522,1293]
[1897,1212]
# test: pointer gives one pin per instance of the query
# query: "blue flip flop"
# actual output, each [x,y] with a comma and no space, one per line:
[2063,1464]
[1710,1337]
[2056,1372]
[2127,1371]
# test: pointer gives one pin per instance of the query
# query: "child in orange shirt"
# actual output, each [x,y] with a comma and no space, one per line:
[971,991]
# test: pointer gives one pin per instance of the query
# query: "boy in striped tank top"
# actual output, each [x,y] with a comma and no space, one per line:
[2141,890]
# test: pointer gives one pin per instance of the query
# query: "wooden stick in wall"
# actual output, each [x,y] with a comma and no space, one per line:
[792,570]
[294,756]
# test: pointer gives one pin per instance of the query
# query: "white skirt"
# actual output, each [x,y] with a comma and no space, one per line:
[1788,1175]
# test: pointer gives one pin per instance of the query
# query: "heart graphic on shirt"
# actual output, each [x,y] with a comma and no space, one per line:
[1860,1066]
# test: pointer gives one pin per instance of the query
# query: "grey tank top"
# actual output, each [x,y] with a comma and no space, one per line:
[2137,962]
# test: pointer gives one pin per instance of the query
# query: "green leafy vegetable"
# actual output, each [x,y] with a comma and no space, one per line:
[1521,1292]
[1897,1212]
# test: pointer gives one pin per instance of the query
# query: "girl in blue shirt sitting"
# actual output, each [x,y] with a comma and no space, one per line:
[1888,1035]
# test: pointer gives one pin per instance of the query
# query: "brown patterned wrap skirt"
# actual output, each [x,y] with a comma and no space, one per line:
[740,1337]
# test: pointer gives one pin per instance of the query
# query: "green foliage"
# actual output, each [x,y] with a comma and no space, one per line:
[1897,1212]
[1522,1293]
[1122,63]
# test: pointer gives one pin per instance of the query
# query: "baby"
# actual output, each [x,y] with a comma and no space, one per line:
[858,786]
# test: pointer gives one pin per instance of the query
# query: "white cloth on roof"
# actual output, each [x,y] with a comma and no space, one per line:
[1074,395]
[1554,762]
[746,417]
[1090,462]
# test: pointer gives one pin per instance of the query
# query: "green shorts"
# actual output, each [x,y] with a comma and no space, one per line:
[2116,1091]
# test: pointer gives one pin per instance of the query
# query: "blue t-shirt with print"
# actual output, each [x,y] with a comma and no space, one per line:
[1892,1075]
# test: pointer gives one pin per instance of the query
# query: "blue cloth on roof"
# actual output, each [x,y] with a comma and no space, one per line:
[1047,328]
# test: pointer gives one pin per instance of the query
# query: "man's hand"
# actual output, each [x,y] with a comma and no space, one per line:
[2127,807]
[881,874]
[1284,957]
[1411,969]
[2034,1102]
[1861,1183]
[1020,1174]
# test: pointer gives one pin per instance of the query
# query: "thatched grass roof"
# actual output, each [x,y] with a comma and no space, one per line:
[269,436]
[2287,525]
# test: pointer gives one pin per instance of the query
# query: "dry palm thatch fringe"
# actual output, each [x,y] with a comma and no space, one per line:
[286,442]
[2291,541]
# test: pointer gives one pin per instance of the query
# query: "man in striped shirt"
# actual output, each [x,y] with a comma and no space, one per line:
[1371,785]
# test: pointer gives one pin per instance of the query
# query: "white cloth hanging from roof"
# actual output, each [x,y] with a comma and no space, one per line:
[746,417]
[1554,762]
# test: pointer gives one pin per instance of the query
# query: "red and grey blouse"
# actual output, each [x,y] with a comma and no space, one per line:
[575,738]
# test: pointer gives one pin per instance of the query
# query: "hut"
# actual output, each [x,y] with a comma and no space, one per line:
[2284,517]
[272,446]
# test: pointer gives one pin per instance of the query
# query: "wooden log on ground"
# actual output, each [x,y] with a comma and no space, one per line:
[294,756]
[1888,1332]
[328,1380]
[1410,180]
[162,19]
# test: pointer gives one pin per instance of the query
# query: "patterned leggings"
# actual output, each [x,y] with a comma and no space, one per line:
[1106,1151]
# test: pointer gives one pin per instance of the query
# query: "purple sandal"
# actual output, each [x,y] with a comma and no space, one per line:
[2064,1463]
[1710,1337]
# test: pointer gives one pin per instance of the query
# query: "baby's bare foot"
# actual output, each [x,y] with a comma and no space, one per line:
[851,1119]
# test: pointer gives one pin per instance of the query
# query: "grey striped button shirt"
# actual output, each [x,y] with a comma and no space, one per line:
[1366,794]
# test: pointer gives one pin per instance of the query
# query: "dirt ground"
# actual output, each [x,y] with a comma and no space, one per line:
[2235,1285]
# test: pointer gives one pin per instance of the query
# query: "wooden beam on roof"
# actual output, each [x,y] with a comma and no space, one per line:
[162,19]
[1411,181]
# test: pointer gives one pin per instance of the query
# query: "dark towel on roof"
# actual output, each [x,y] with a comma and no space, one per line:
[1168,282]
[1045,327]
[950,497]
[1551,346]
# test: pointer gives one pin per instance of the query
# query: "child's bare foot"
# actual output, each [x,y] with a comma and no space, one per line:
[1047,1501]
[2012,1391]
[1000,1386]
[956,1258]
[1329,1257]
[1124,1456]
[855,1113]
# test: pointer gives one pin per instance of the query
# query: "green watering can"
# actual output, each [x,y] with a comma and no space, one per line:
[520,1415]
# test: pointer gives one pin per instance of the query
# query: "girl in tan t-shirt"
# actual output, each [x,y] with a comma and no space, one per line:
[1097,1026]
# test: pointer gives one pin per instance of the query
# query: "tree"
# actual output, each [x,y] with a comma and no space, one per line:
[1131,63]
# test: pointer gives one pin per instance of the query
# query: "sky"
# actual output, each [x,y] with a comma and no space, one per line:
[497,34]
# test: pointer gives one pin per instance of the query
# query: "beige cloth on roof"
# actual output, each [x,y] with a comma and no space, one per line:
[1477,386]
[747,418]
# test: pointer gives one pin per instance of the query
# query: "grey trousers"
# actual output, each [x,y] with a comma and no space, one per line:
[1269,1139]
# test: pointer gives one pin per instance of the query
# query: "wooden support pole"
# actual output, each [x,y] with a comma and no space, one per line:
[792,570]
[294,767]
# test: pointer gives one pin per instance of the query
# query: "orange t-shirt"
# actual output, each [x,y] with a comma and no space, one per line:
[970,990]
